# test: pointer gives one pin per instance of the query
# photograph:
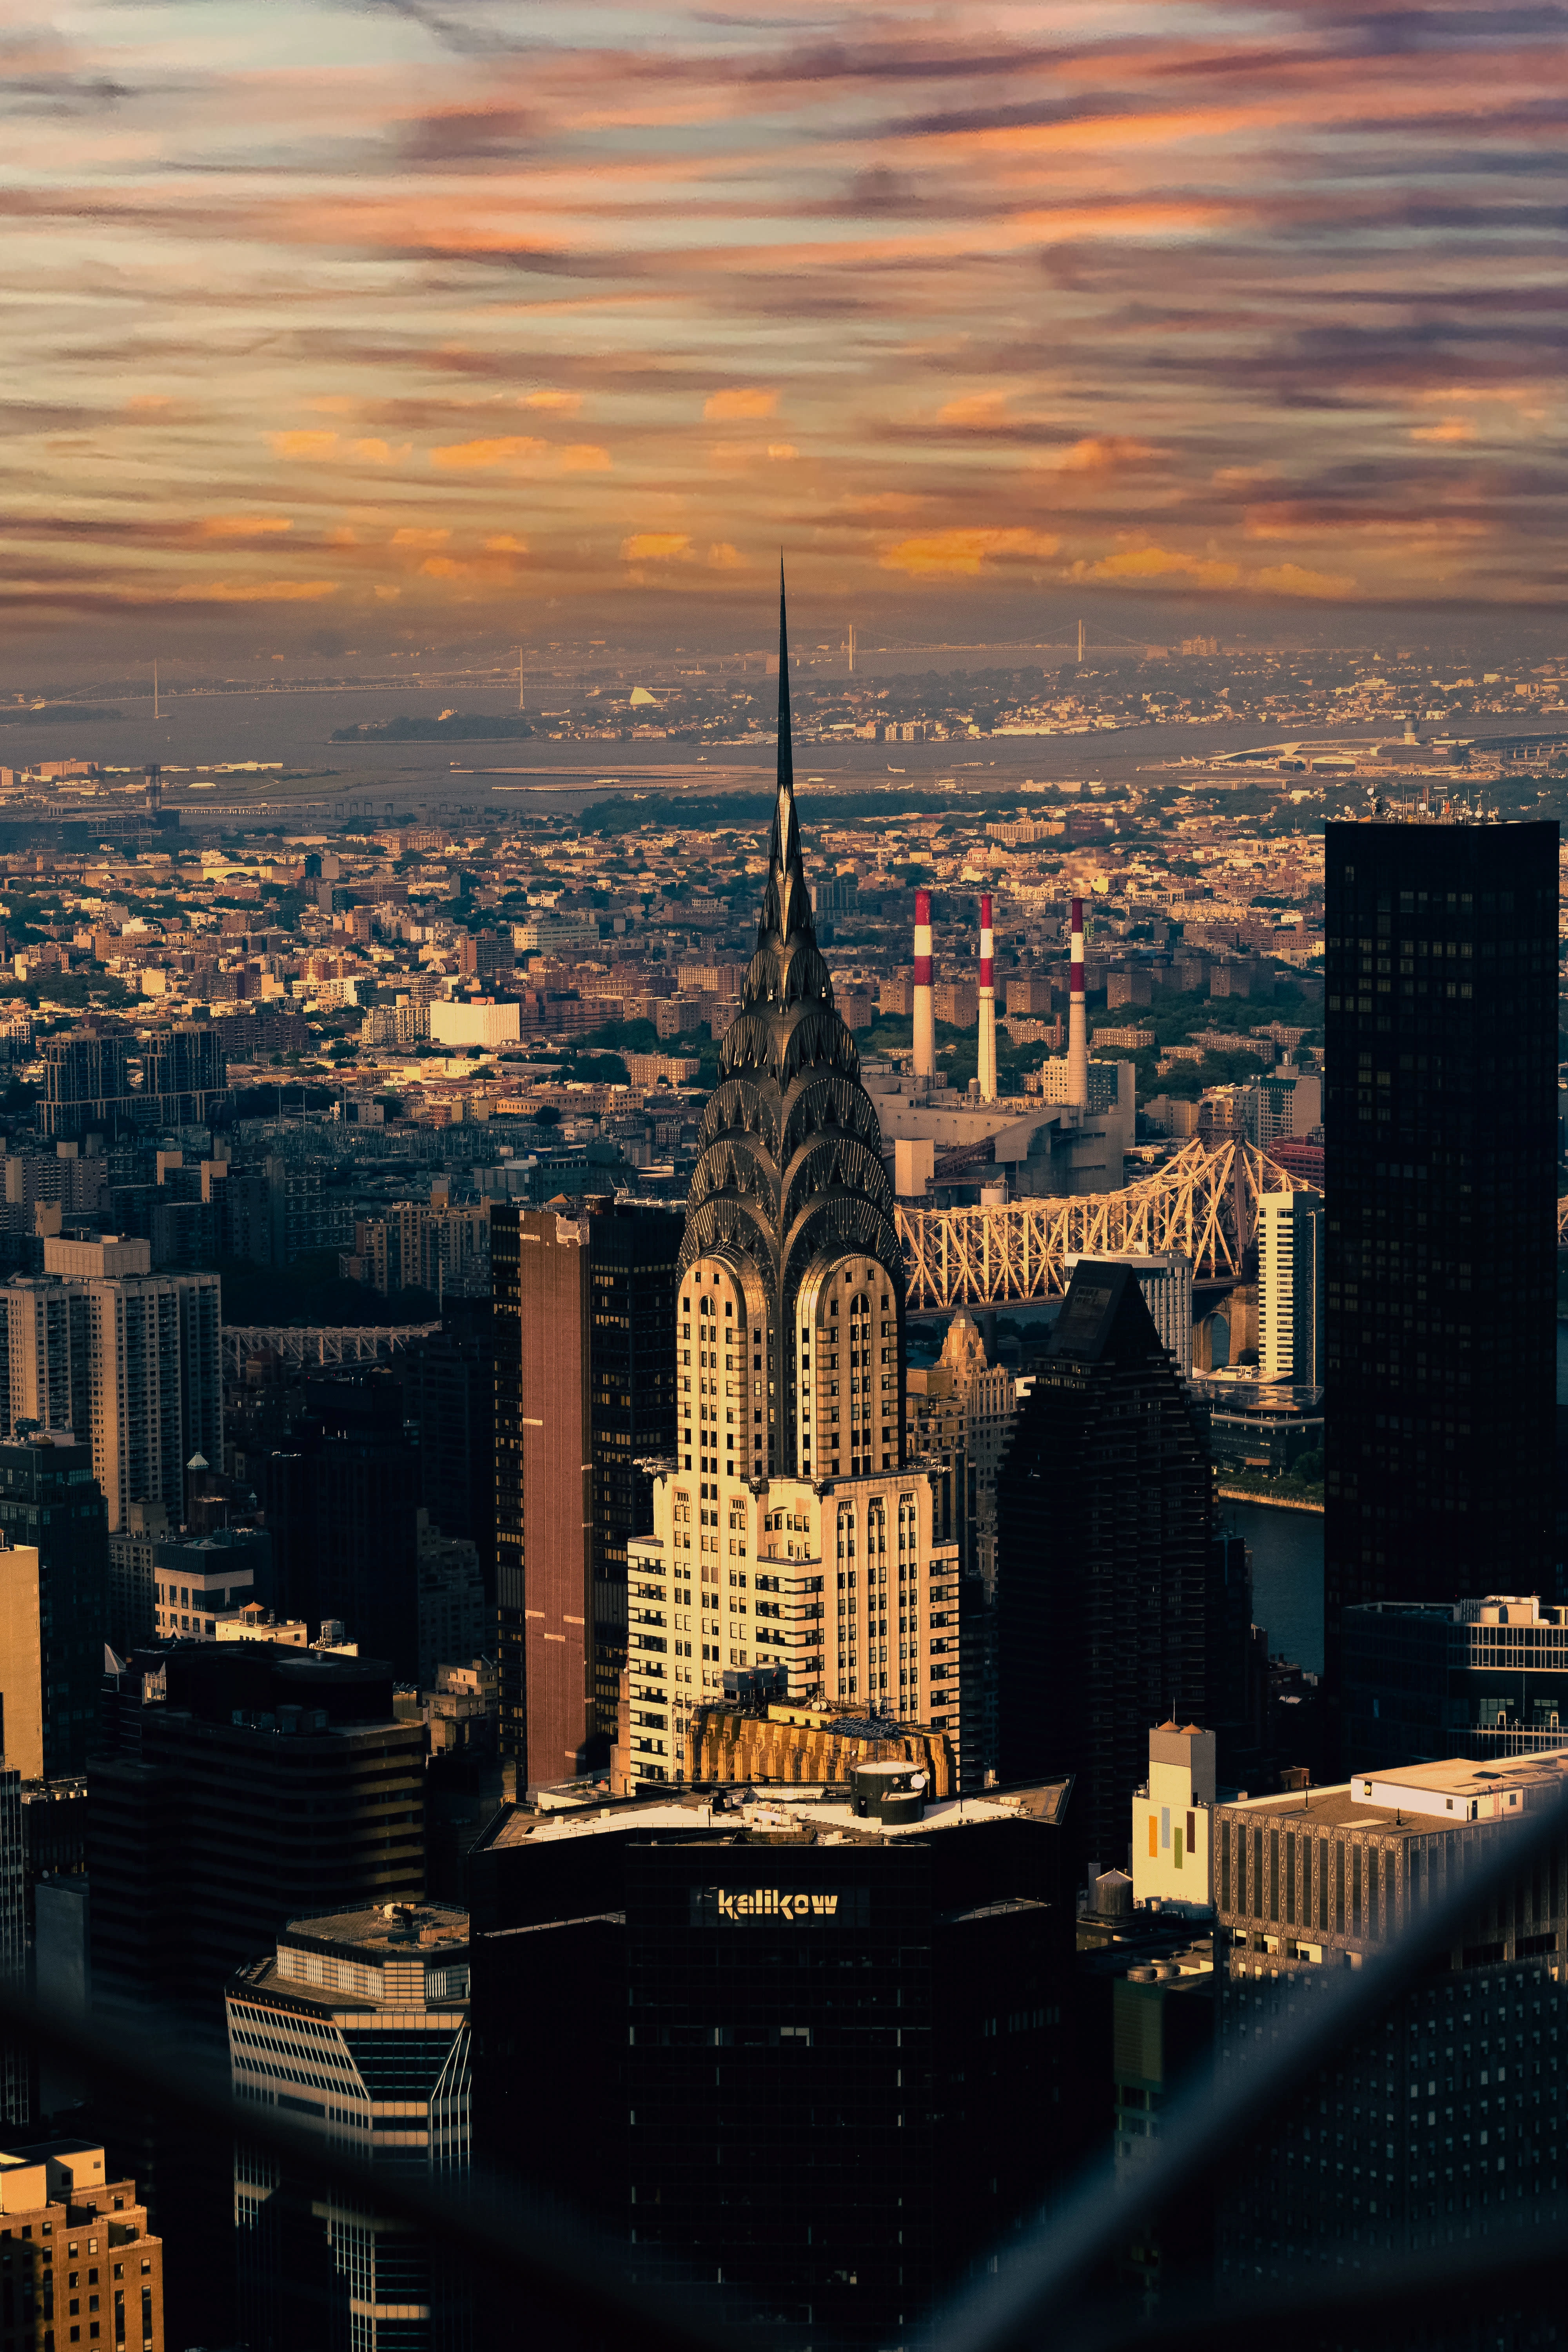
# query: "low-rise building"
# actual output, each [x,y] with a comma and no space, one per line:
[81,2265]
[1172,1816]
[196,1580]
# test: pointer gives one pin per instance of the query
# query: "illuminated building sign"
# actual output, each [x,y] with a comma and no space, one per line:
[846,1906]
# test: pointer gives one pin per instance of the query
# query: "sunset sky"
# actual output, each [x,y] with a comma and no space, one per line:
[336,325]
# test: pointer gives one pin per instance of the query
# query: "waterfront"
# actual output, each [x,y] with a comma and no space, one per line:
[1287,1576]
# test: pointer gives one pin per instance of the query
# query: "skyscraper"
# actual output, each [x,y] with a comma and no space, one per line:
[357,2028]
[848,2066]
[790,1541]
[1290,1288]
[238,1785]
[128,1359]
[341,1498]
[449,1398]
[1441,1025]
[1106,1606]
[585,1356]
[54,1600]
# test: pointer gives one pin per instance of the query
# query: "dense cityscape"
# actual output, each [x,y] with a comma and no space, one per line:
[783,1178]
[1084,1175]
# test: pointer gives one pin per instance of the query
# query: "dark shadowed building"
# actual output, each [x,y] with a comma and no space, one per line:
[1106,1571]
[1440,1108]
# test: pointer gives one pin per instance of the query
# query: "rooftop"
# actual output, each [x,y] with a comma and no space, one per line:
[1412,1800]
[812,1814]
[385,1931]
[1496,1608]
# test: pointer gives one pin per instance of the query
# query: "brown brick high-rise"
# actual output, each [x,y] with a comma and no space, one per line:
[585,1304]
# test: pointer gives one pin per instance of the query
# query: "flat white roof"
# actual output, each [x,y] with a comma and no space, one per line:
[821,1808]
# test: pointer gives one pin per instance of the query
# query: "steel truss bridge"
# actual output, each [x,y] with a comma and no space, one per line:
[1203,1203]
[301,1346]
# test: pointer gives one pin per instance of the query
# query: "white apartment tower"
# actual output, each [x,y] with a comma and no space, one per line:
[789,1540]
[1290,1239]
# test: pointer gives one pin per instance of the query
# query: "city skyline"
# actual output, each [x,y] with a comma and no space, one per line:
[343,325]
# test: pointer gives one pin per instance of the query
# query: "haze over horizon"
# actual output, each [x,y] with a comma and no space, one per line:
[339,330]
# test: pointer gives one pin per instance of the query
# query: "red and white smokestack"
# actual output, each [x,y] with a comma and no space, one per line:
[925,1009]
[987,1064]
[1077,1017]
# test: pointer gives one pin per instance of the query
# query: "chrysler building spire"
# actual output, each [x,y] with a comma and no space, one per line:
[790,1188]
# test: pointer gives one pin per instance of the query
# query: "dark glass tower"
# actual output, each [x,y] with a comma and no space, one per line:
[1441,1115]
[1108,1608]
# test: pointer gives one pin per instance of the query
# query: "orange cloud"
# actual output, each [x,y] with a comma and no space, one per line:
[1108,453]
[520,453]
[474,457]
[408,536]
[722,557]
[558,404]
[304,445]
[966,551]
[1290,580]
[975,408]
[379,453]
[1452,428]
[254,591]
[243,526]
[742,400]
[1135,564]
[505,544]
[781,451]
[656,546]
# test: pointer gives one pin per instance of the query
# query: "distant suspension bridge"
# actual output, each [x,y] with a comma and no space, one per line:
[301,1346]
[1203,1203]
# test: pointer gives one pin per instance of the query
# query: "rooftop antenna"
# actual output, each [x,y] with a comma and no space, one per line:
[1080,641]
[155,690]
[519,678]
